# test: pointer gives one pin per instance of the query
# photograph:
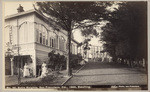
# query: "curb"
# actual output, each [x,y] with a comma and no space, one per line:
[72,75]
[79,69]
[67,80]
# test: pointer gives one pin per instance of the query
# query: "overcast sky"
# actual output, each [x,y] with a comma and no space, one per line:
[11,8]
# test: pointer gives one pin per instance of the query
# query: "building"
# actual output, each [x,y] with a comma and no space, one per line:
[95,52]
[32,36]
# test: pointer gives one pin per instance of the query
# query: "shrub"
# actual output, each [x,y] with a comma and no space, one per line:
[58,62]
[75,60]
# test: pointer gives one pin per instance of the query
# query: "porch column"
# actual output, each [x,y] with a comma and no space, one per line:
[12,66]
[33,57]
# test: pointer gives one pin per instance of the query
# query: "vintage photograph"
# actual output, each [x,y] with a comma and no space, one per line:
[70,45]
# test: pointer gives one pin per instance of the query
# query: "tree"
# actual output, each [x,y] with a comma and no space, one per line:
[126,33]
[71,15]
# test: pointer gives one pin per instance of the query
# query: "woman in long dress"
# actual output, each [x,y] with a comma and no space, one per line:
[44,70]
[26,71]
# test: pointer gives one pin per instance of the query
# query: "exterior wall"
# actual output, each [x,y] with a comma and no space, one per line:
[42,50]
[25,36]
[30,42]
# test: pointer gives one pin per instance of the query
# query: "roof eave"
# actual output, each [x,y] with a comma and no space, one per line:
[19,14]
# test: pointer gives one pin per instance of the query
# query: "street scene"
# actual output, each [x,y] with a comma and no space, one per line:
[65,44]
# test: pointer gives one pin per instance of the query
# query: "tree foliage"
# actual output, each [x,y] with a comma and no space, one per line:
[126,33]
[71,15]
[58,62]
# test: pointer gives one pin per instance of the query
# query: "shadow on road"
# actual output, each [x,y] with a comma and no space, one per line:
[110,65]
[107,74]
[99,65]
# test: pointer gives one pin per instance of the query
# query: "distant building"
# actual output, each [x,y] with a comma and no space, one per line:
[36,36]
[94,52]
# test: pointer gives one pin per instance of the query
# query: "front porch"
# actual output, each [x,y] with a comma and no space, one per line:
[13,64]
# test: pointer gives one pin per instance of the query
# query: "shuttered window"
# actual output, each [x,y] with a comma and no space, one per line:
[41,38]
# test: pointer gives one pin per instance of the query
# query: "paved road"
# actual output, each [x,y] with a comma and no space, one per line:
[99,73]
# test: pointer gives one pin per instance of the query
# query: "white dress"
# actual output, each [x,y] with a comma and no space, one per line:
[26,71]
[44,70]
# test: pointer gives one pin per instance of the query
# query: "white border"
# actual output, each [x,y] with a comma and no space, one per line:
[45,90]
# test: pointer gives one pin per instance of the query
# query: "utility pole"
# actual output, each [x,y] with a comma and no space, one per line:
[19,79]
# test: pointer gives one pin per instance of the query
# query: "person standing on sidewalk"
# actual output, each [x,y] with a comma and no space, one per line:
[44,70]
[26,71]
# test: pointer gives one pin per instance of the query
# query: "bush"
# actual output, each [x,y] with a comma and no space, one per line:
[57,61]
[75,60]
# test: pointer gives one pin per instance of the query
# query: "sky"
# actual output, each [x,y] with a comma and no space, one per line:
[11,8]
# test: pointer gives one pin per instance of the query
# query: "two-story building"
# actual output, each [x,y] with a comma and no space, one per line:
[32,36]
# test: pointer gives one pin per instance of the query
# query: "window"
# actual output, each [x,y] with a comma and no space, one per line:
[61,43]
[37,36]
[46,42]
[41,38]
[56,41]
[52,42]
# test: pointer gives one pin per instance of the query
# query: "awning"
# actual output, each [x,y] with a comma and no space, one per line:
[23,58]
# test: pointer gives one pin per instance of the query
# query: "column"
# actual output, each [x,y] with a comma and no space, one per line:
[48,39]
[12,66]
[33,57]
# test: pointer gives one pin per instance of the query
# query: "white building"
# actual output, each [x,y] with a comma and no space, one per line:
[35,36]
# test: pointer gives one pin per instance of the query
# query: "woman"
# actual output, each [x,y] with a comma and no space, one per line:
[26,71]
[44,70]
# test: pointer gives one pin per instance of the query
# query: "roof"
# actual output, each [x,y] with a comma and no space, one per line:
[29,12]
[34,11]
[20,14]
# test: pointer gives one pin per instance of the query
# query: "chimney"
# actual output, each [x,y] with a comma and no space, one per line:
[20,9]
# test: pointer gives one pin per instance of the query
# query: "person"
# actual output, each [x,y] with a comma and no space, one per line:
[26,71]
[44,70]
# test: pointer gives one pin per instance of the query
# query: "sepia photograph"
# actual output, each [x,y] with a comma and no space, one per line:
[75,45]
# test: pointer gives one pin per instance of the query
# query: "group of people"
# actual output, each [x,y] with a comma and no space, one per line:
[27,71]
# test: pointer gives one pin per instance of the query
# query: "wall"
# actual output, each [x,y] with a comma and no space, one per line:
[26,33]
[28,42]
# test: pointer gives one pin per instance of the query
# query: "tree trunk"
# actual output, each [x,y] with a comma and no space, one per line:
[146,68]
[68,57]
